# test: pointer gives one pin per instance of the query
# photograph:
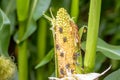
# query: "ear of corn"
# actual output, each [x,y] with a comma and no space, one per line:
[66,41]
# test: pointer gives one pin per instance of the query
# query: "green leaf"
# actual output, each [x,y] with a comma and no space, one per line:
[36,12]
[9,7]
[4,33]
[113,76]
[46,59]
[82,30]
[41,7]
[24,20]
[30,24]
[30,29]
[12,18]
[110,51]
[100,58]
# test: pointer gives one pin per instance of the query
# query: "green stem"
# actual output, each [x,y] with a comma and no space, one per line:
[22,55]
[22,9]
[75,9]
[92,34]
[42,30]
[22,14]
[22,61]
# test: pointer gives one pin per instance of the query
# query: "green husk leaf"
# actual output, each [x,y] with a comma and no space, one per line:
[46,59]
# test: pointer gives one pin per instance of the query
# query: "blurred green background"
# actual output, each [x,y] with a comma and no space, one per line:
[36,31]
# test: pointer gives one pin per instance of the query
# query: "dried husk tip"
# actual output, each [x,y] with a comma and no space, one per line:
[89,76]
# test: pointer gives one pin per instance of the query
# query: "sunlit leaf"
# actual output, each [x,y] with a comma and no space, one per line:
[113,76]
[46,59]
[4,33]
